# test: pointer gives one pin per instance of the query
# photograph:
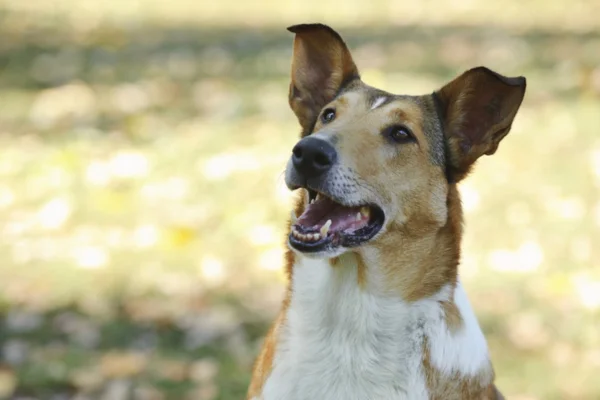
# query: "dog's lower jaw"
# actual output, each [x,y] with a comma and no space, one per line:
[320,255]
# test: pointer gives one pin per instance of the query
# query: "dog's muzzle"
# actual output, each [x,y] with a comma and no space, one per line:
[330,220]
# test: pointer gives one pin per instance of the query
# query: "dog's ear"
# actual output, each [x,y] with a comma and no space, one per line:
[321,66]
[477,110]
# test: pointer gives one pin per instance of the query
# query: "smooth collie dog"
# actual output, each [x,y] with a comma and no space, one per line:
[374,308]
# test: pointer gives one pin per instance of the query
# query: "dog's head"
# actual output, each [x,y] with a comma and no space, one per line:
[369,159]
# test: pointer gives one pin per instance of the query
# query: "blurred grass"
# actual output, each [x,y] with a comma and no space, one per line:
[142,203]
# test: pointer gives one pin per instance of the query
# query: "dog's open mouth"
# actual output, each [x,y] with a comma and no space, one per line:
[326,224]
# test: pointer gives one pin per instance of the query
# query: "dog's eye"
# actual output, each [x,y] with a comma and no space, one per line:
[328,115]
[398,134]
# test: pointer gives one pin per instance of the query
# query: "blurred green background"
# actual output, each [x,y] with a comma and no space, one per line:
[142,205]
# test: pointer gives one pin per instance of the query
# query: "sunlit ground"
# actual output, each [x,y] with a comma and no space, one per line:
[142,203]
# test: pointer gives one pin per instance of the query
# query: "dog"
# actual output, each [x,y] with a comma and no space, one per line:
[374,308]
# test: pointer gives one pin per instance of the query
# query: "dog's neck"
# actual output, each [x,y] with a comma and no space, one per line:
[416,258]
[381,322]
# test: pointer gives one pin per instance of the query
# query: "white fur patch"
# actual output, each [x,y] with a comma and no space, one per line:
[378,102]
[340,342]
[464,351]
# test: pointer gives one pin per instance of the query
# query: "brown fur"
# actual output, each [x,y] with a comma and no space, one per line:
[452,315]
[264,362]
[456,387]
[361,277]
[361,274]
[418,250]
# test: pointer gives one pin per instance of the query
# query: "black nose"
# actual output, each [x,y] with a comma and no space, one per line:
[312,156]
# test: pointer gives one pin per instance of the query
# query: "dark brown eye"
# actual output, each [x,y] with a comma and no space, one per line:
[398,134]
[328,115]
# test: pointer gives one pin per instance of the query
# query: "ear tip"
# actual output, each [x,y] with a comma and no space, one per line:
[295,28]
[512,81]
[517,81]
[520,82]
[298,28]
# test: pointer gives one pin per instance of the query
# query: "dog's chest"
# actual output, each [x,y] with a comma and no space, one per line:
[339,342]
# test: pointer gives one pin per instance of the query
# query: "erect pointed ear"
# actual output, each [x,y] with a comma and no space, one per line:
[321,66]
[477,110]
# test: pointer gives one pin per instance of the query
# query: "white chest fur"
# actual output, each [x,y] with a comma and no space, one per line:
[340,342]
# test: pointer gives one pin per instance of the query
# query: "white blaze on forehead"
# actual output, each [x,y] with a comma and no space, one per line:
[378,102]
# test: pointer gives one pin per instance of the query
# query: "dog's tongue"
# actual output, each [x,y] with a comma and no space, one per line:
[342,218]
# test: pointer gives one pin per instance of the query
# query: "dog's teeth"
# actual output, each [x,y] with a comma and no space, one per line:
[318,196]
[309,236]
[316,236]
[325,228]
[294,217]
[365,211]
[358,216]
